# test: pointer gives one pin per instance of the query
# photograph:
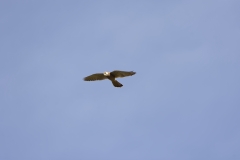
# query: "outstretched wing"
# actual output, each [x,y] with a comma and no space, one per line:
[95,77]
[120,74]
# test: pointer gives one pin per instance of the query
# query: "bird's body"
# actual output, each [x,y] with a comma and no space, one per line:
[111,76]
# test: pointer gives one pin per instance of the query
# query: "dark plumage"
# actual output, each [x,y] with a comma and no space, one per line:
[111,76]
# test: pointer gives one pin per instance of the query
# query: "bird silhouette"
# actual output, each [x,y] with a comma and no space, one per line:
[111,76]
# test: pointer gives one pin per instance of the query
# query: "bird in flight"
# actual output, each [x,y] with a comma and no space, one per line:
[111,76]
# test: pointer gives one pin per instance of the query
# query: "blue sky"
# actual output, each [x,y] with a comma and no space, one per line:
[182,104]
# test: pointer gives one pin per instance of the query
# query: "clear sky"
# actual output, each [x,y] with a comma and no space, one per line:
[183,103]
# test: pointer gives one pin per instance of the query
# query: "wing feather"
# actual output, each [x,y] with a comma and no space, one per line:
[120,74]
[95,77]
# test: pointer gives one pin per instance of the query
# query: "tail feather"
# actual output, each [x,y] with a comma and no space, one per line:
[116,83]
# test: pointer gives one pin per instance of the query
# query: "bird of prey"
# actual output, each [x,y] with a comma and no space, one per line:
[111,76]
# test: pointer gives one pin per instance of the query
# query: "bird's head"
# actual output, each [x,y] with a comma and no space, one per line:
[106,73]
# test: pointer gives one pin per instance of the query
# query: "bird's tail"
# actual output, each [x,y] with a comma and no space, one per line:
[116,83]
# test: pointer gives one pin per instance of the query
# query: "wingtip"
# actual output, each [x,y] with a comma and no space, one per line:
[85,79]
